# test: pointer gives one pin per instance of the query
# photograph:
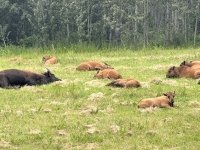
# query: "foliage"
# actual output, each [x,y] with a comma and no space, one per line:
[114,22]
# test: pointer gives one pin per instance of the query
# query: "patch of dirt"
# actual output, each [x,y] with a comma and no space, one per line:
[115,95]
[56,103]
[89,110]
[156,81]
[17,60]
[151,133]
[4,144]
[145,84]
[33,110]
[91,146]
[91,129]
[35,131]
[47,110]
[129,133]
[115,128]
[170,82]
[194,104]
[96,96]
[61,132]
[19,113]
[108,110]
[126,103]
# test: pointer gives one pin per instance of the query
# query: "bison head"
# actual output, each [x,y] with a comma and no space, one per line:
[170,96]
[104,66]
[173,72]
[50,77]
[107,66]
[45,58]
[185,63]
[97,74]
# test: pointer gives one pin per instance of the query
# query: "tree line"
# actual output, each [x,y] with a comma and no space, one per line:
[115,22]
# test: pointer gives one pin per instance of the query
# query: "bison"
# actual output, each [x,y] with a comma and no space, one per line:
[124,83]
[190,63]
[15,77]
[165,101]
[183,71]
[93,65]
[107,73]
[49,60]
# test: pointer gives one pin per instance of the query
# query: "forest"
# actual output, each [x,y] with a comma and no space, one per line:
[135,23]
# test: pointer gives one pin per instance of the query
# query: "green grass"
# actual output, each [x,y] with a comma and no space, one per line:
[31,117]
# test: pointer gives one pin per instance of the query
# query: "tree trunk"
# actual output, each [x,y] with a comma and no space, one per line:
[145,25]
[135,26]
[68,31]
[185,27]
[195,29]
[88,22]
[110,36]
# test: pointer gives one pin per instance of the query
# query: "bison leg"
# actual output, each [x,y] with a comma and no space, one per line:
[4,83]
[165,106]
[197,75]
[32,82]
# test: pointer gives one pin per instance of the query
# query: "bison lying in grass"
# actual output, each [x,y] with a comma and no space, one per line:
[190,63]
[184,71]
[167,101]
[93,65]
[14,77]
[107,73]
[124,83]
[49,60]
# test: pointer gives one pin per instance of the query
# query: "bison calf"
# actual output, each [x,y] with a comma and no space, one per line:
[107,73]
[93,65]
[14,77]
[167,101]
[183,71]
[124,83]
[49,60]
[190,63]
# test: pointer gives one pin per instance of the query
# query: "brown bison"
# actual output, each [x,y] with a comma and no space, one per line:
[49,60]
[107,73]
[124,83]
[93,65]
[15,77]
[183,71]
[190,63]
[167,101]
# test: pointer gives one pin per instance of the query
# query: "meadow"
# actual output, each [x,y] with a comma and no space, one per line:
[81,113]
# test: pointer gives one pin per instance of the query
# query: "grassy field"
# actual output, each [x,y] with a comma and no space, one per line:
[79,112]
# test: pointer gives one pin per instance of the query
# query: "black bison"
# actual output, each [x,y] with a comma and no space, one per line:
[167,101]
[15,77]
